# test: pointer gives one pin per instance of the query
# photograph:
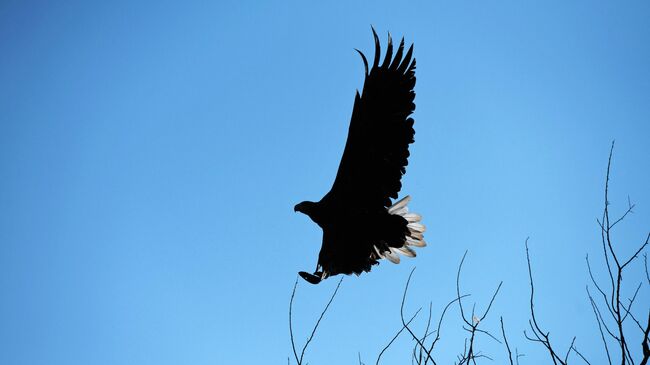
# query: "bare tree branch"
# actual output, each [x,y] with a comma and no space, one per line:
[627,310]
[397,335]
[313,332]
[503,332]
[293,344]
[473,322]
[408,281]
[645,264]
[600,326]
[618,310]
[518,355]
[442,316]
[609,308]
[581,356]
[637,252]
[644,344]
[539,334]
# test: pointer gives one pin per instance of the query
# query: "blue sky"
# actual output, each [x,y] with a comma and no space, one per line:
[151,154]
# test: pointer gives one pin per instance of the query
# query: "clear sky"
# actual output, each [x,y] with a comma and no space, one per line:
[151,154]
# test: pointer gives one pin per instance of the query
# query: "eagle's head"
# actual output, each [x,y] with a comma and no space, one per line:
[305,207]
[311,209]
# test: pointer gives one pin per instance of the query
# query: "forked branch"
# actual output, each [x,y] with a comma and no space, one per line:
[299,359]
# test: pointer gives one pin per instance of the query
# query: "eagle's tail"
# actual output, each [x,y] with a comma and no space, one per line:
[414,237]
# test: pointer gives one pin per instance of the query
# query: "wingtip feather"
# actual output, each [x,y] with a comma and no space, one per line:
[389,52]
[365,61]
[375,62]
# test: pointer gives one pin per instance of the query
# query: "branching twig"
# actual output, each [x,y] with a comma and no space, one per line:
[401,311]
[644,344]
[600,325]
[313,332]
[505,339]
[397,335]
[540,336]
[469,354]
[618,311]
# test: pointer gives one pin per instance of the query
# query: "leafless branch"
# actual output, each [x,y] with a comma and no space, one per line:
[627,310]
[293,343]
[600,325]
[518,355]
[540,336]
[581,356]
[442,316]
[618,310]
[636,254]
[408,281]
[397,335]
[644,344]
[313,332]
[505,339]
[645,264]
[605,300]
[473,322]
[569,350]
[424,337]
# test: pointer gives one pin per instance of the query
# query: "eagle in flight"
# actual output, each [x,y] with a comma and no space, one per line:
[360,223]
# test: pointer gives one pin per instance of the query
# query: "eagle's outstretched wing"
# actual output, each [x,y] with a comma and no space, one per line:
[376,151]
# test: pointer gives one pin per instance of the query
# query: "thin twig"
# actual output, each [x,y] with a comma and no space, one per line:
[645,264]
[408,281]
[609,308]
[473,322]
[518,355]
[627,310]
[647,240]
[541,337]
[313,332]
[644,344]
[569,350]
[581,356]
[600,328]
[293,344]
[442,316]
[397,335]
[426,334]
[503,332]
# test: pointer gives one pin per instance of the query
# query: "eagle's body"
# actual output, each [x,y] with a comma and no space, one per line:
[359,223]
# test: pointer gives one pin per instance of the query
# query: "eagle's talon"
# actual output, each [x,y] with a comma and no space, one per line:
[314,278]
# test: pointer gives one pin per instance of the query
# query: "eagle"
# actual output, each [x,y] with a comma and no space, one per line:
[360,223]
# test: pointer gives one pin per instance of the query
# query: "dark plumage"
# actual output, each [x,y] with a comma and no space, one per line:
[360,226]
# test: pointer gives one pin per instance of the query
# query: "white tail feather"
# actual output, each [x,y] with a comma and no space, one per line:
[412,217]
[417,243]
[418,227]
[399,205]
[392,256]
[414,237]
[379,255]
[406,251]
